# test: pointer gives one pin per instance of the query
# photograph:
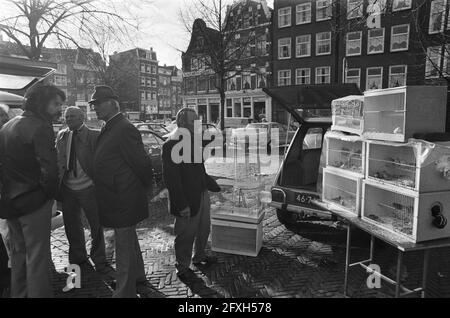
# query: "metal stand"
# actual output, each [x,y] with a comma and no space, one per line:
[400,290]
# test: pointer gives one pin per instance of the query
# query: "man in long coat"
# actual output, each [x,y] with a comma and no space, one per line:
[122,175]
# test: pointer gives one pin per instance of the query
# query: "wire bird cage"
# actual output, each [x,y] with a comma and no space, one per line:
[345,154]
[347,114]
[341,191]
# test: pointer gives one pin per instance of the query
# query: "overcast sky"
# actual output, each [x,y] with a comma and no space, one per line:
[165,32]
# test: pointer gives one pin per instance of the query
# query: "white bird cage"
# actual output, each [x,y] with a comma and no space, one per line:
[396,114]
[417,217]
[345,152]
[417,165]
[342,190]
[347,114]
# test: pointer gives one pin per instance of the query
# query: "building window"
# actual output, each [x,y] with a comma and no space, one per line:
[303,76]
[323,75]
[376,6]
[229,107]
[284,78]
[194,64]
[147,69]
[153,96]
[354,43]
[375,42]
[303,13]
[246,81]
[202,84]
[153,82]
[323,10]
[142,81]
[446,66]
[374,78]
[354,8]
[284,48]
[143,96]
[261,78]
[62,69]
[303,45]
[433,62]
[81,97]
[353,75]
[401,5]
[437,16]
[190,85]
[143,68]
[397,75]
[323,43]
[284,17]
[231,82]
[400,38]
[60,80]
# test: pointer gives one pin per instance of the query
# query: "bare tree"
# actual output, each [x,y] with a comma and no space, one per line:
[33,23]
[226,44]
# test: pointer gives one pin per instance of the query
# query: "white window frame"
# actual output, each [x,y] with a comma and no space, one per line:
[400,9]
[433,53]
[289,49]
[390,73]
[351,9]
[369,38]
[301,8]
[287,78]
[297,44]
[324,5]
[298,77]
[320,41]
[317,74]
[407,40]
[443,13]
[358,40]
[289,21]
[367,77]
[359,75]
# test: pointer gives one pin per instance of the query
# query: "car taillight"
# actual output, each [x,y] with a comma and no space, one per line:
[278,195]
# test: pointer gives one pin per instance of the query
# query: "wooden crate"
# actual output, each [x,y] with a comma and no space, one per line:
[403,212]
[345,152]
[417,165]
[342,190]
[396,114]
[347,114]
[236,237]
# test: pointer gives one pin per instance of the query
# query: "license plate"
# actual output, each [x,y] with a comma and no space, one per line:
[303,198]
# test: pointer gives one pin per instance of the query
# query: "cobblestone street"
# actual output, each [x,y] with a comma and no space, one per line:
[306,263]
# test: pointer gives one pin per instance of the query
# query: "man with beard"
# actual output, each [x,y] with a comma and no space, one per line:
[29,180]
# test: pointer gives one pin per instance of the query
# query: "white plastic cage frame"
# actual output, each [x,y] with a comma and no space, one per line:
[418,165]
[345,152]
[342,190]
[396,114]
[402,213]
[347,114]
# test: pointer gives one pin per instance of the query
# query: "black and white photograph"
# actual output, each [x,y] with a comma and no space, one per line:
[221,154]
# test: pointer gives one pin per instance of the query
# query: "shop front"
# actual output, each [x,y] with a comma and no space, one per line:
[253,105]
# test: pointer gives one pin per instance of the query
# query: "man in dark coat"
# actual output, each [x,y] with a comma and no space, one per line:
[188,185]
[122,174]
[29,177]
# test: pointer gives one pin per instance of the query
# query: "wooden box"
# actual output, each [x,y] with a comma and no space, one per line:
[236,237]
[417,165]
[342,190]
[347,114]
[417,217]
[396,114]
[345,152]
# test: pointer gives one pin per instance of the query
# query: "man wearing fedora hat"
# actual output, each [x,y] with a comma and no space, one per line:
[122,174]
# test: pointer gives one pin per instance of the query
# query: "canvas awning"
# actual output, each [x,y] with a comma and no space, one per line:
[11,99]
[309,97]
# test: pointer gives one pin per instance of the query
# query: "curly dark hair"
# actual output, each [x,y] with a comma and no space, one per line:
[39,95]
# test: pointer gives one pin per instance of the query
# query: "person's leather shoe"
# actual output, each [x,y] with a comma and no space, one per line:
[186,274]
[206,262]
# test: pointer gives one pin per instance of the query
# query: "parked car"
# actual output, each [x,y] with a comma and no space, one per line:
[160,128]
[298,182]
[153,146]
